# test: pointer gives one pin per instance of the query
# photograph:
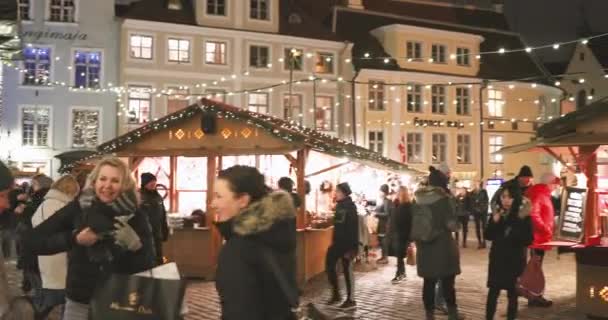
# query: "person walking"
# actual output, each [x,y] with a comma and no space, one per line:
[399,226]
[152,204]
[463,215]
[258,259]
[383,211]
[522,182]
[478,200]
[344,246]
[510,230]
[103,232]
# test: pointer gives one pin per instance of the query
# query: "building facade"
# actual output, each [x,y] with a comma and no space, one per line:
[57,98]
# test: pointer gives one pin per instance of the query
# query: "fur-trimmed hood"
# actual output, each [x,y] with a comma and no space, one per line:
[261,215]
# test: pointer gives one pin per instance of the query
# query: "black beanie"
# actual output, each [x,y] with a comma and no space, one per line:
[6,177]
[146,177]
[384,189]
[525,171]
[345,188]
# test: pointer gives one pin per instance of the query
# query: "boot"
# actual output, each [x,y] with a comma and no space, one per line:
[453,314]
[335,298]
[430,315]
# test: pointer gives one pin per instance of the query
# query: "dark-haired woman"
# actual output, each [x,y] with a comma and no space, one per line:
[510,230]
[260,232]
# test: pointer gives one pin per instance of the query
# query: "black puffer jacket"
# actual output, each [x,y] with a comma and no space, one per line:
[86,267]
[346,226]
[247,287]
[28,261]
[152,204]
[399,228]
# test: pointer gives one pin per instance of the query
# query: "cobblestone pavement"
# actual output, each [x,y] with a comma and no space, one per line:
[377,298]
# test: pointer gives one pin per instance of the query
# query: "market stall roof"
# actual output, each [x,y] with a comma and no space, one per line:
[569,122]
[70,157]
[567,140]
[292,134]
[9,39]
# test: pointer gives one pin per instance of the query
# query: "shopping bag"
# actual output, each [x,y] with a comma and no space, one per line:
[411,255]
[531,284]
[138,297]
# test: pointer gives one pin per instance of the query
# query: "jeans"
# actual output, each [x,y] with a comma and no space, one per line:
[46,299]
[481,221]
[464,223]
[493,294]
[400,263]
[382,242]
[447,286]
[331,261]
[6,242]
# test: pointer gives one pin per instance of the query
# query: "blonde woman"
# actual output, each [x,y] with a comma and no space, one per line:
[102,231]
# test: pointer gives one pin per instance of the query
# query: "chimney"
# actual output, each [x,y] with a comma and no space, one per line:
[355,4]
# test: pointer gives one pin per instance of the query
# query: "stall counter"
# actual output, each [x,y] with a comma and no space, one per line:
[188,247]
[312,245]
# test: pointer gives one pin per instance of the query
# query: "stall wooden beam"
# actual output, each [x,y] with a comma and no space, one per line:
[292,160]
[134,162]
[560,159]
[216,240]
[301,174]
[327,169]
[173,183]
[590,170]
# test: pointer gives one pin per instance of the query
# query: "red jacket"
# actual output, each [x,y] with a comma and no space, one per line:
[542,214]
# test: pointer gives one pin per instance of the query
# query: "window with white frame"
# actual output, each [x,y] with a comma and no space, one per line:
[463,57]
[496,103]
[177,98]
[463,149]
[140,104]
[496,143]
[324,114]
[438,98]
[292,107]
[376,95]
[140,46]
[37,65]
[174,4]
[324,62]
[85,128]
[293,58]
[216,7]
[24,10]
[414,147]
[463,101]
[258,102]
[62,10]
[438,52]
[414,51]
[179,50]
[440,148]
[259,57]
[215,52]
[35,121]
[259,9]
[218,95]
[375,140]
[87,69]
[414,98]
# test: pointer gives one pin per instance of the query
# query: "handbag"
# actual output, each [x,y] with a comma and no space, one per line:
[531,283]
[138,297]
[411,255]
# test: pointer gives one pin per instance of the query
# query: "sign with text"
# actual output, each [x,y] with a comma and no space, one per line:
[572,215]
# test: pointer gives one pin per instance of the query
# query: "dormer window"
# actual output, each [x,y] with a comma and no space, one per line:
[62,11]
[174,5]
[259,10]
[216,7]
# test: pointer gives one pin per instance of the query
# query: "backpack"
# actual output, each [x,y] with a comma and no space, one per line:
[422,224]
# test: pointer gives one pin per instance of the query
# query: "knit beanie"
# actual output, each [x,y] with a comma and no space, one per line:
[146,177]
[384,188]
[6,177]
[345,188]
[525,171]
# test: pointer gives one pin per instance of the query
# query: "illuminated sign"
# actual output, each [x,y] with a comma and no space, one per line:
[572,215]
[438,123]
[226,133]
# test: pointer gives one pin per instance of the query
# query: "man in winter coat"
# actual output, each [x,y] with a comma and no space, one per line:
[478,200]
[345,243]
[383,212]
[542,215]
[152,204]
[522,182]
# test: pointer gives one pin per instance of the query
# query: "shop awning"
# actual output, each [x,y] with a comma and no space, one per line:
[567,140]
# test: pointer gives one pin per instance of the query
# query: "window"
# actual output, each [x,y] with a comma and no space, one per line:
[258,10]
[376,95]
[292,107]
[140,103]
[218,95]
[496,143]
[438,99]
[141,47]
[414,50]
[496,103]
[414,98]
[463,147]
[324,114]
[414,147]
[37,63]
[174,5]
[463,57]
[438,53]
[177,99]
[463,101]
[35,126]
[87,69]
[258,102]
[179,50]
[491,125]
[376,141]
[293,59]
[259,57]
[215,52]
[440,147]
[62,10]
[85,128]
[216,7]
[581,99]
[515,125]
[581,56]
[24,9]
[324,63]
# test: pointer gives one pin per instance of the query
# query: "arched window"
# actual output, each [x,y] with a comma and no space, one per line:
[581,99]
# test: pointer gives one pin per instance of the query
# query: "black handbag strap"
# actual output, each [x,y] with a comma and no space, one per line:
[288,290]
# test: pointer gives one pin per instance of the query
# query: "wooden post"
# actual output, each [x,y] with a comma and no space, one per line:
[216,240]
[172,184]
[301,174]
[590,170]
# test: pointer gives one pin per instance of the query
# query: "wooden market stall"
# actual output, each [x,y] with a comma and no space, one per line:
[190,146]
[579,141]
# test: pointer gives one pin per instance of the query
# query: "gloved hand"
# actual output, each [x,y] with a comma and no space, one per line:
[124,235]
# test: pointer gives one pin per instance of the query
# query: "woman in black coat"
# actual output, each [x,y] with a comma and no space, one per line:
[102,231]
[510,230]
[260,249]
[399,227]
